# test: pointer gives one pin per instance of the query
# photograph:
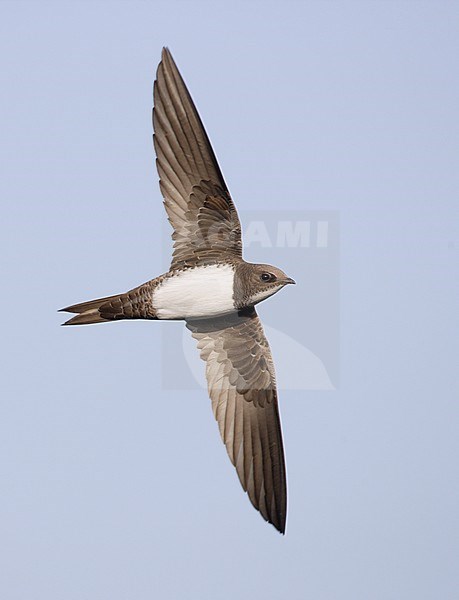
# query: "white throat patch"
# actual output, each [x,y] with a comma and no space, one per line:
[259,296]
[196,293]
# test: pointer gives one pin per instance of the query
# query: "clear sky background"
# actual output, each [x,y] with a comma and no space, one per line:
[113,488]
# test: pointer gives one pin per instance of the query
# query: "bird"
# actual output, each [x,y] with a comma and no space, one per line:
[214,290]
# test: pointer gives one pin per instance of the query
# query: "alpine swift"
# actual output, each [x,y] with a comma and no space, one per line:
[214,290]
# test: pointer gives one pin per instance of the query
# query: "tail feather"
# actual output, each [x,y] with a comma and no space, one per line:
[85,306]
[135,304]
[86,318]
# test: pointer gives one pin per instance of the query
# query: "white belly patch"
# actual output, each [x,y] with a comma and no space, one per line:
[195,293]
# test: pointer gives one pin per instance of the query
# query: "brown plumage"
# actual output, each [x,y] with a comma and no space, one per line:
[197,201]
[212,288]
[242,386]
[135,304]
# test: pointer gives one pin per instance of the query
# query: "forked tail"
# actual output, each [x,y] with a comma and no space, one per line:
[135,304]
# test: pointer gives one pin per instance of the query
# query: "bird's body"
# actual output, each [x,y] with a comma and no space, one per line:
[200,292]
[214,290]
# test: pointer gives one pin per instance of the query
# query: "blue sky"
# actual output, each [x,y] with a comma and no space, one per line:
[114,486]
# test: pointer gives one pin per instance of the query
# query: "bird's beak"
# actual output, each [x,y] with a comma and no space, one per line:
[289,280]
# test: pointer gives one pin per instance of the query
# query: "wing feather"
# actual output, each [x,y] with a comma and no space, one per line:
[198,204]
[242,387]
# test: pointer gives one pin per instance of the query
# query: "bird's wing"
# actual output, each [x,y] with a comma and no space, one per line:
[242,387]
[198,204]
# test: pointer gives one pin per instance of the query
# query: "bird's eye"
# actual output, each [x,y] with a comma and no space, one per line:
[266,277]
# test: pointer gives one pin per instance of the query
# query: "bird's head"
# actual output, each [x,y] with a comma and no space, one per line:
[255,282]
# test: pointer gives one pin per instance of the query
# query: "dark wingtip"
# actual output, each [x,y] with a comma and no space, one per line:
[280,529]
